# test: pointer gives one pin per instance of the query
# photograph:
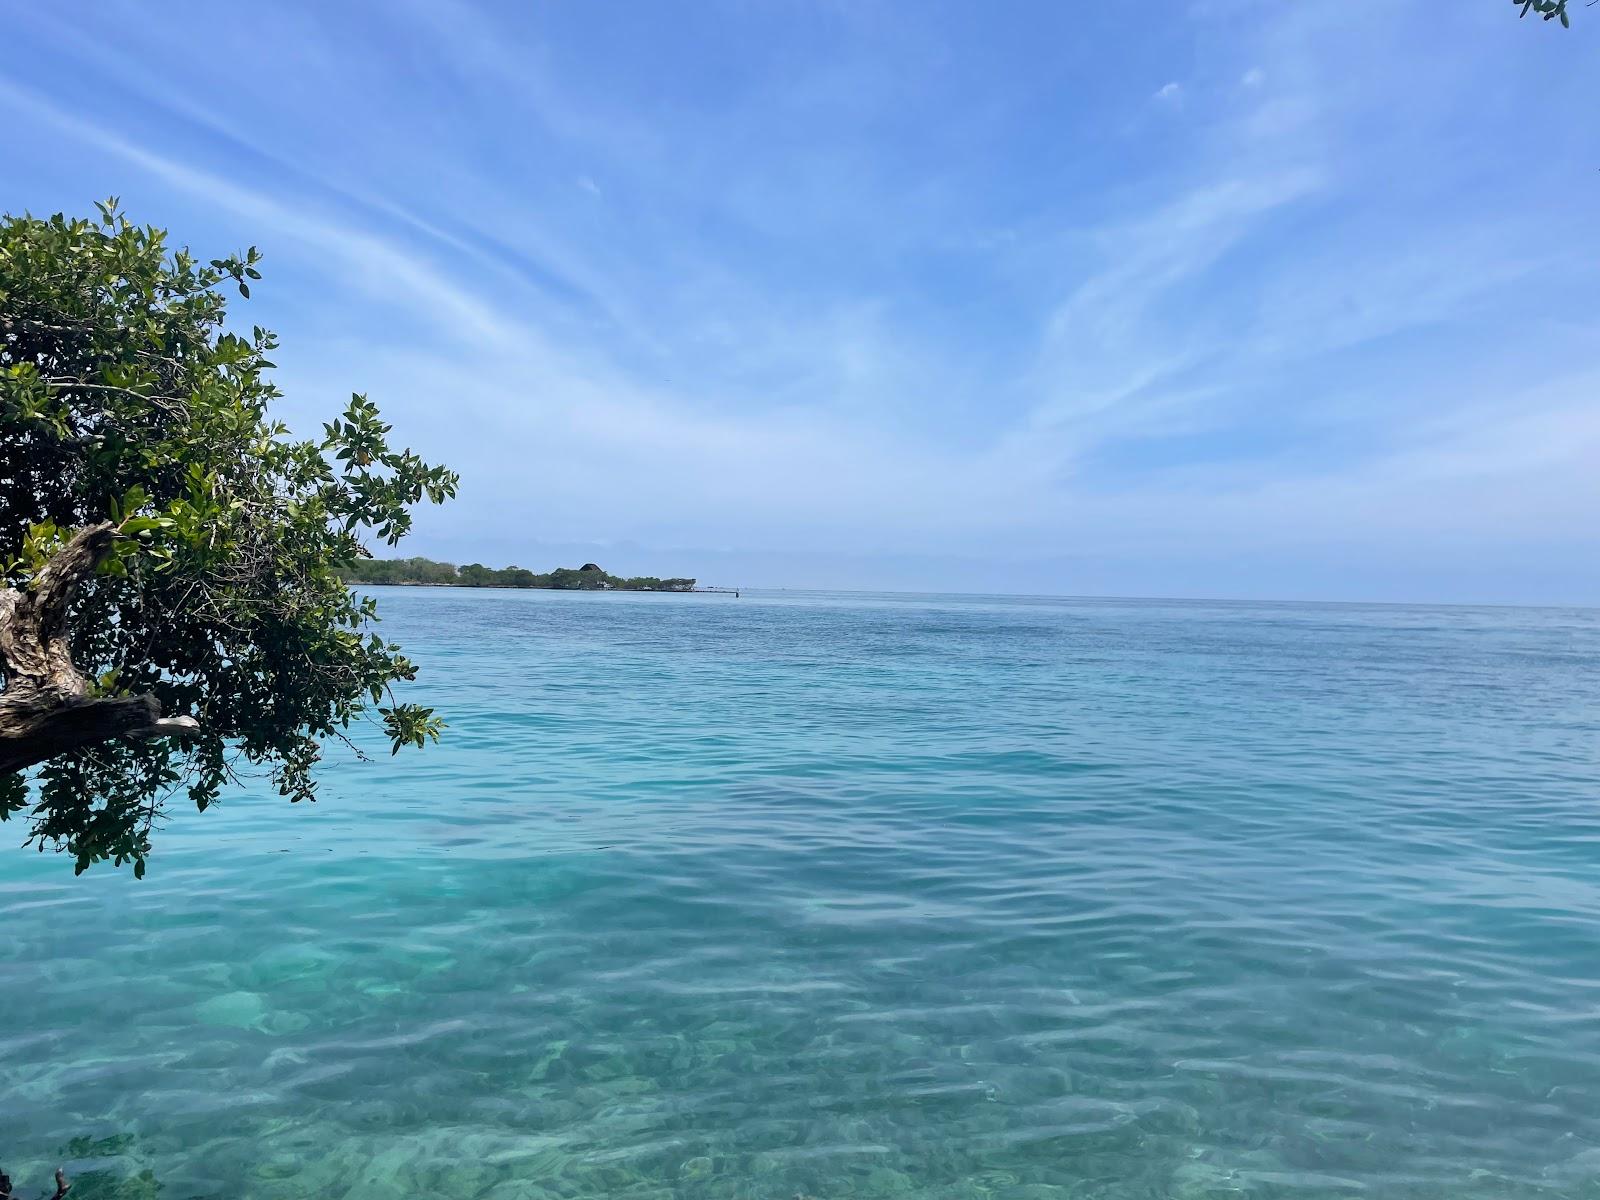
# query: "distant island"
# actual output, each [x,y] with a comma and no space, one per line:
[424,572]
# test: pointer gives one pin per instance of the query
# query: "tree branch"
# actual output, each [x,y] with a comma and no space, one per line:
[47,708]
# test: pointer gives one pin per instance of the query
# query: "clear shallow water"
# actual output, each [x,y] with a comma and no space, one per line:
[864,896]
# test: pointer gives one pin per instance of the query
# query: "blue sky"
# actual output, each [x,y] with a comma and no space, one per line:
[1291,299]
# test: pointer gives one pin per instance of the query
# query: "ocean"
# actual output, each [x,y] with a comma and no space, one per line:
[826,895]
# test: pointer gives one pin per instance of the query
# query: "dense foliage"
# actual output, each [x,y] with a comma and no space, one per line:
[587,578]
[124,399]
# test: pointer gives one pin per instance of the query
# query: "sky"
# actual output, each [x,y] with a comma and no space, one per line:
[1290,299]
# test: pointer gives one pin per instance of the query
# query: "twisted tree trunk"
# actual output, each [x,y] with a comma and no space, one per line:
[47,708]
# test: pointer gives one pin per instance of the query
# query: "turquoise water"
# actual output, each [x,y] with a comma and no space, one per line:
[829,895]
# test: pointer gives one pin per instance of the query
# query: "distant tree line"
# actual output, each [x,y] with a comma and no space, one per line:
[587,578]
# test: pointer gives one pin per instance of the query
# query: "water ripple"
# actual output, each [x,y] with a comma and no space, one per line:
[809,895]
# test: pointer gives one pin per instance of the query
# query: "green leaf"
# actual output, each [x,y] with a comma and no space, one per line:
[221,594]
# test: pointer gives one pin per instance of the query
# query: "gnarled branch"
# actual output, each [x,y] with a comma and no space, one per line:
[47,708]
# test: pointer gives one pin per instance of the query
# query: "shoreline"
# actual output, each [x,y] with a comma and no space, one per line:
[512,587]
